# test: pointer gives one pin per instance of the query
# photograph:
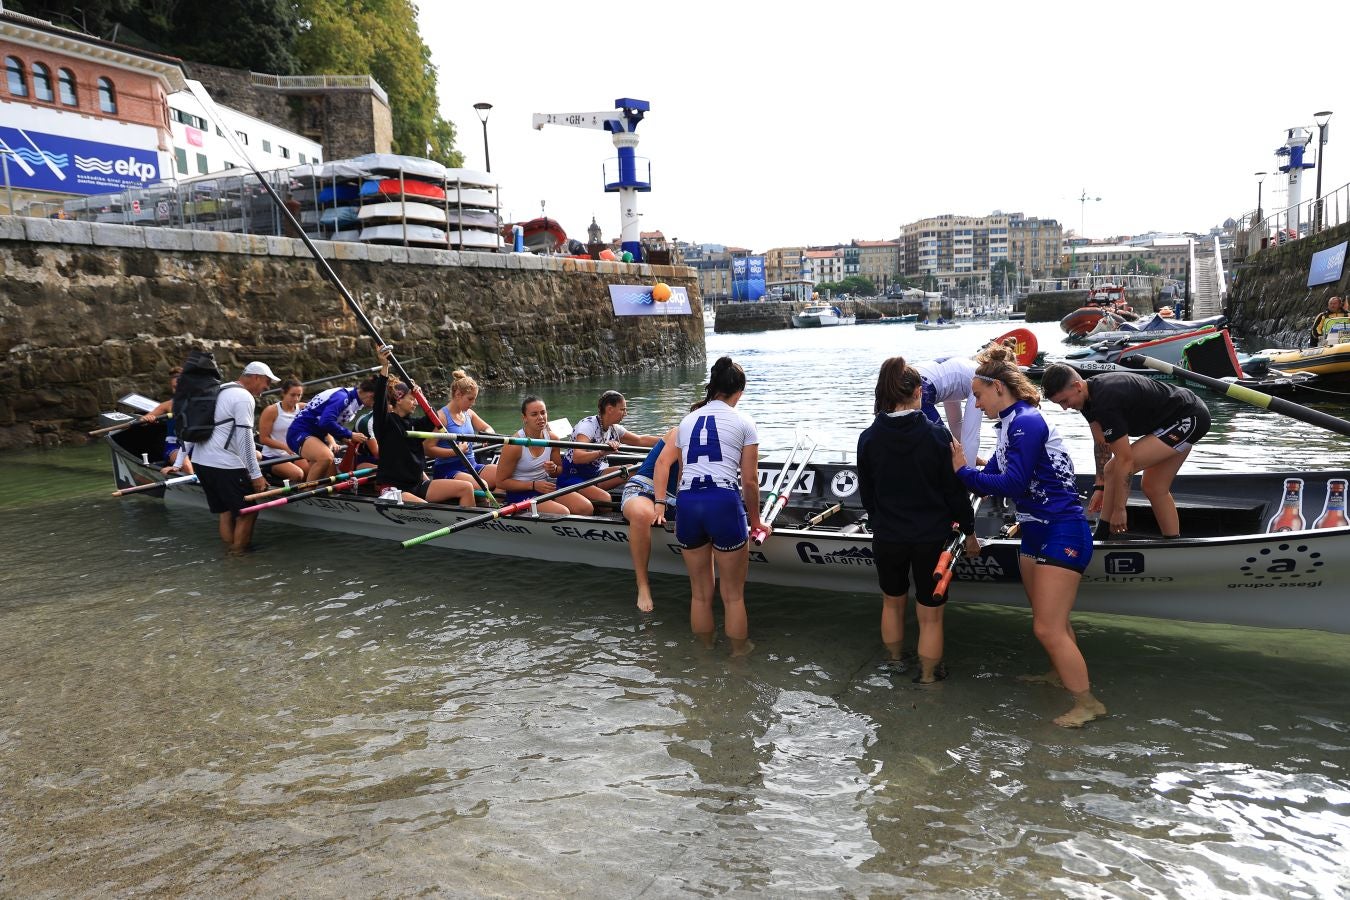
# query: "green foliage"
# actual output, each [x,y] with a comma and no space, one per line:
[380,38]
[856,285]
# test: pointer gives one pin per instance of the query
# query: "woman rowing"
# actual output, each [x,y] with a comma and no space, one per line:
[524,473]
[323,420]
[401,475]
[460,418]
[718,446]
[605,431]
[1031,466]
[273,425]
[912,497]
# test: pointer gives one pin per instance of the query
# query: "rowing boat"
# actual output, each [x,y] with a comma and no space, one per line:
[1227,569]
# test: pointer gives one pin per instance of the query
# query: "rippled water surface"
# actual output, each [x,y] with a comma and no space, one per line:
[331,716]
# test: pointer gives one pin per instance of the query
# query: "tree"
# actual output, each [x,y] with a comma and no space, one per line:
[380,37]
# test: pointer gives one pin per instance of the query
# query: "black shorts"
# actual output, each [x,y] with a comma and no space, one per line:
[1182,434]
[225,488]
[894,560]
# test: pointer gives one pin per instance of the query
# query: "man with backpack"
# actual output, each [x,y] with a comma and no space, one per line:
[222,448]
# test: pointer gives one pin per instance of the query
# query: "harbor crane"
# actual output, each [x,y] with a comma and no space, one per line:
[622,122]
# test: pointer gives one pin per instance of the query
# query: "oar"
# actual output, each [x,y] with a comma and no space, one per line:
[513,508]
[505,439]
[339,377]
[168,482]
[1245,394]
[326,270]
[305,495]
[946,564]
[759,534]
[813,521]
[778,481]
[99,432]
[306,485]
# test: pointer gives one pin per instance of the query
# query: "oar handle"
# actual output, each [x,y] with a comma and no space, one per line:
[99,432]
[306,485]
[519,506]
[305,495]
[168,482]
[505,439]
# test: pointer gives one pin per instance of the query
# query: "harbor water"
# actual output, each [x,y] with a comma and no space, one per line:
[332,716]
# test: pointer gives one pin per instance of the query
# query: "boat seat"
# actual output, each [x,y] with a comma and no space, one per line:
[1202,515]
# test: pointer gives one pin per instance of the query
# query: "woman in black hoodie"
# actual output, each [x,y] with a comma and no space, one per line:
[912,497]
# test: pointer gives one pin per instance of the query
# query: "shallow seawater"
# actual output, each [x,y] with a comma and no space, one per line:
[334,716]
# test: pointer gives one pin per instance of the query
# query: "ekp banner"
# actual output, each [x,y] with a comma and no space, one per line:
[50,162]
[637,300]
[1327,265]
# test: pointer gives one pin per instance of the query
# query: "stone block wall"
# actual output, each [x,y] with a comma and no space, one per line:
[1270,303]
[89,312]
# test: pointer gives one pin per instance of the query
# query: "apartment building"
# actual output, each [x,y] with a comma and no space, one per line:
[958,252]
[1034,245]
[878,261]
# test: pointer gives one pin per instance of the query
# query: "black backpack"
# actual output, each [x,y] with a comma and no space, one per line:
[194,403]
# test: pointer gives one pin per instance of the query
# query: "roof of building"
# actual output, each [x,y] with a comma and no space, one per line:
[31,29]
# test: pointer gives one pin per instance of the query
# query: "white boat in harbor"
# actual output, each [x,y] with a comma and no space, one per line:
[1233,566]
[935,326]
[819,315]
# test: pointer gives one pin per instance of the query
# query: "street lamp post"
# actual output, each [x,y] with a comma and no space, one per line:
[1260,179]
[1321,118]
[483,109]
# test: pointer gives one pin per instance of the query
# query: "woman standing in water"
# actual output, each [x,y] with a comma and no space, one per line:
[1030,466]
[912,497]
[718,447]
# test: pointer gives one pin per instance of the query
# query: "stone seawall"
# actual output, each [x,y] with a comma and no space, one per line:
[89,312]
[1270,303]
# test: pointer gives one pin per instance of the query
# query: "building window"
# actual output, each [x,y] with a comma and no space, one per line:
[302,159]
[42,83]
[66,81]
[180,160]
[201,164]
[107,97]
[267,146]
[18,81]
[285,153]
[243,138]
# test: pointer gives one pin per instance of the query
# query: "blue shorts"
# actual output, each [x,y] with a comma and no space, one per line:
[642,486]
[449,467]
[714,514]
[1066,543]
[571,476]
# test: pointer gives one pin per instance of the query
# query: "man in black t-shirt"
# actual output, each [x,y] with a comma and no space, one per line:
[1167,419]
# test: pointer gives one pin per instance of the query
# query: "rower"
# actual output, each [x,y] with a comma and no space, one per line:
[525,474]
[606,431]
[639,510]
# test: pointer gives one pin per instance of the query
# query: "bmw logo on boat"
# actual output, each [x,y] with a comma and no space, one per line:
[844,483]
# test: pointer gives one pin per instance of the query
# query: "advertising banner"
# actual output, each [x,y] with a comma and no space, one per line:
[1327,264]
[49,162]
[637,300]
[747,278]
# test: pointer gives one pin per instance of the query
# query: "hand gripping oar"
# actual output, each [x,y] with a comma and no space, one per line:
[759,534]
[306,485]
[99,432]
[326,270]
[168,482]
[946,564]
[305,495]
[339,377]
[1245,394]
[507,439]
[778,481]
[513,508]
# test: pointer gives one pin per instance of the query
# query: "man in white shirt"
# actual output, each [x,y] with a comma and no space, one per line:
[226,463]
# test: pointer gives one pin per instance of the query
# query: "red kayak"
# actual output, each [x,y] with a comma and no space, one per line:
[408,187]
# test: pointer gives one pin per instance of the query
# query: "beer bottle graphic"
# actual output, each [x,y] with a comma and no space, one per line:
[1290,516]
[1333,511]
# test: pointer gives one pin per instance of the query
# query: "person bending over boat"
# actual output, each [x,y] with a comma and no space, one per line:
[605,431]
[947,381]
[526,472]
[1321,325]
[1167,419]
[273,424]
[226,464]
[639,510]
[460,418]
[323,421]
[718,447]
[912,497]
[1031,466]
[401,474]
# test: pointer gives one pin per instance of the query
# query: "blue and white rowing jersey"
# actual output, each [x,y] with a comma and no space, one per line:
[590,427]
[1029,465]
[710,440]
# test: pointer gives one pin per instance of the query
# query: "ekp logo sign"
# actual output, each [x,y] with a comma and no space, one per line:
[53,162]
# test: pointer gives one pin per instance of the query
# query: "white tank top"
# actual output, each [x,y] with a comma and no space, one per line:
[531,467]
[283,422]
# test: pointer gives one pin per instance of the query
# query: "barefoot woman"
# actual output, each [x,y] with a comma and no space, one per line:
[1031,466]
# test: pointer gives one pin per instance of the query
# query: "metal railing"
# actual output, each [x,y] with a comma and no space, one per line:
[1296,222]
[319,82]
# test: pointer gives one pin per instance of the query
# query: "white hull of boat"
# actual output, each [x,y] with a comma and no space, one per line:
[424,213]
[419,235]
[1282,580]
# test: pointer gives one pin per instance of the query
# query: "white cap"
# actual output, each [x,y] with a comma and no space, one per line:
[260,368]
